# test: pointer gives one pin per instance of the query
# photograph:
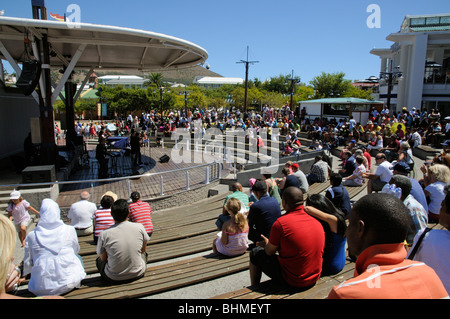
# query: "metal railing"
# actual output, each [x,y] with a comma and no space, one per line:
[193,177]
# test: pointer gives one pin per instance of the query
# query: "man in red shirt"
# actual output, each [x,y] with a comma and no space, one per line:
[141,212]
[378,224]
[299,240]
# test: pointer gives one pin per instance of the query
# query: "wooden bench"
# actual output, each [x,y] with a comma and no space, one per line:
[271,290]
[160,278]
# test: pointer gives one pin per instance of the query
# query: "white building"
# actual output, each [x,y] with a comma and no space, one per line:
[127,81]
[417,64]
[213,82]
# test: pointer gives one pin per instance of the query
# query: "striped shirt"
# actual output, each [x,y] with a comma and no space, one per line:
[141,212]
[103,220]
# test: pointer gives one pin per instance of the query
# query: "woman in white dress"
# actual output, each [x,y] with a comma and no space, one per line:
[51,254]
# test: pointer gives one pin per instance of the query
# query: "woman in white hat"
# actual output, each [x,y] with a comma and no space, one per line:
[18,211]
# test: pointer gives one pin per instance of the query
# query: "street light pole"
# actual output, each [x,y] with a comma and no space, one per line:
[389,89]
[247,62]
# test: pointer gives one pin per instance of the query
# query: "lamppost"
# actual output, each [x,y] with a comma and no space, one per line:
[390,76]
[186,93]
[293,81]
[162,90]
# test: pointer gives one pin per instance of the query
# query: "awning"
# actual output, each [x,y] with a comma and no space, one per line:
[89,46]
[107,47]
[342,100]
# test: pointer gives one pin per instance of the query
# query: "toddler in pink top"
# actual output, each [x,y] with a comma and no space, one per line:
[18,212]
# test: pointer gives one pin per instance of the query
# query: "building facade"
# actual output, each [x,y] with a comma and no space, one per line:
[212,82]
[415,70]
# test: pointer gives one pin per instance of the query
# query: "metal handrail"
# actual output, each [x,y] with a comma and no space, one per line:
[107,179]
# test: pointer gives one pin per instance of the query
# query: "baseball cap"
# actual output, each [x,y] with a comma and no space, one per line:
[135,195]
[401,167]
[14,195]
[260,186]
[295,165]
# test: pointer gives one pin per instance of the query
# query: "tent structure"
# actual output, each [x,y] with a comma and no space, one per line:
[65,47]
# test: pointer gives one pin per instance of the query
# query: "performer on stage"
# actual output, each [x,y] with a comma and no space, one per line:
[135,144]
[100,155]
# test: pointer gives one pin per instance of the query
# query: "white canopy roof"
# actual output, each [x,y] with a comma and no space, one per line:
[100,46]
[217,80]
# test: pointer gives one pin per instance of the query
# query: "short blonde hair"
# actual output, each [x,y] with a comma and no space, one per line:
[441,172]
[7,247]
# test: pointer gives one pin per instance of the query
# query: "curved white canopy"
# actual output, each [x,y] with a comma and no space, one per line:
[100,46]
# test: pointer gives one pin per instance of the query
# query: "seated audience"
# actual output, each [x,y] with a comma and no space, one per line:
[51,254]
[141,212]
[439,177]
[293,252]
[418,215]
[333,222]
[319,171]
[431,245]
[416,189]
[233,239]
[81,214]
[338,194]
[9,273]
[349,164]
[356,179]
[263,213]
[382,175]
[296,171]
[288,180]
[122,247]
[236,188]
[102,216]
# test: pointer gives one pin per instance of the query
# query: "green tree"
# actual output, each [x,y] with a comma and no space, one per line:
[280,84]
[359,93]
[330,85]
[155,79]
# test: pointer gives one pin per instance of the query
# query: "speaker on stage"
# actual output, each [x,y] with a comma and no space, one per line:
[29,77]
[139,171]
[164,159]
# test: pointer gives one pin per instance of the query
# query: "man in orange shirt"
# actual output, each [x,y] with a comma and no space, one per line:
[378,224]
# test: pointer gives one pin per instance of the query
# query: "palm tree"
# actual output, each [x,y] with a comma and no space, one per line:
[154,78]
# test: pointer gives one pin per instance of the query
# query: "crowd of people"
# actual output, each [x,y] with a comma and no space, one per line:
[293,237]
[120,229]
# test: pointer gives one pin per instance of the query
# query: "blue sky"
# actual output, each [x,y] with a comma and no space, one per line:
[307,37]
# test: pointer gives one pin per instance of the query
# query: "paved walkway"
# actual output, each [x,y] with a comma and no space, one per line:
[148,186]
